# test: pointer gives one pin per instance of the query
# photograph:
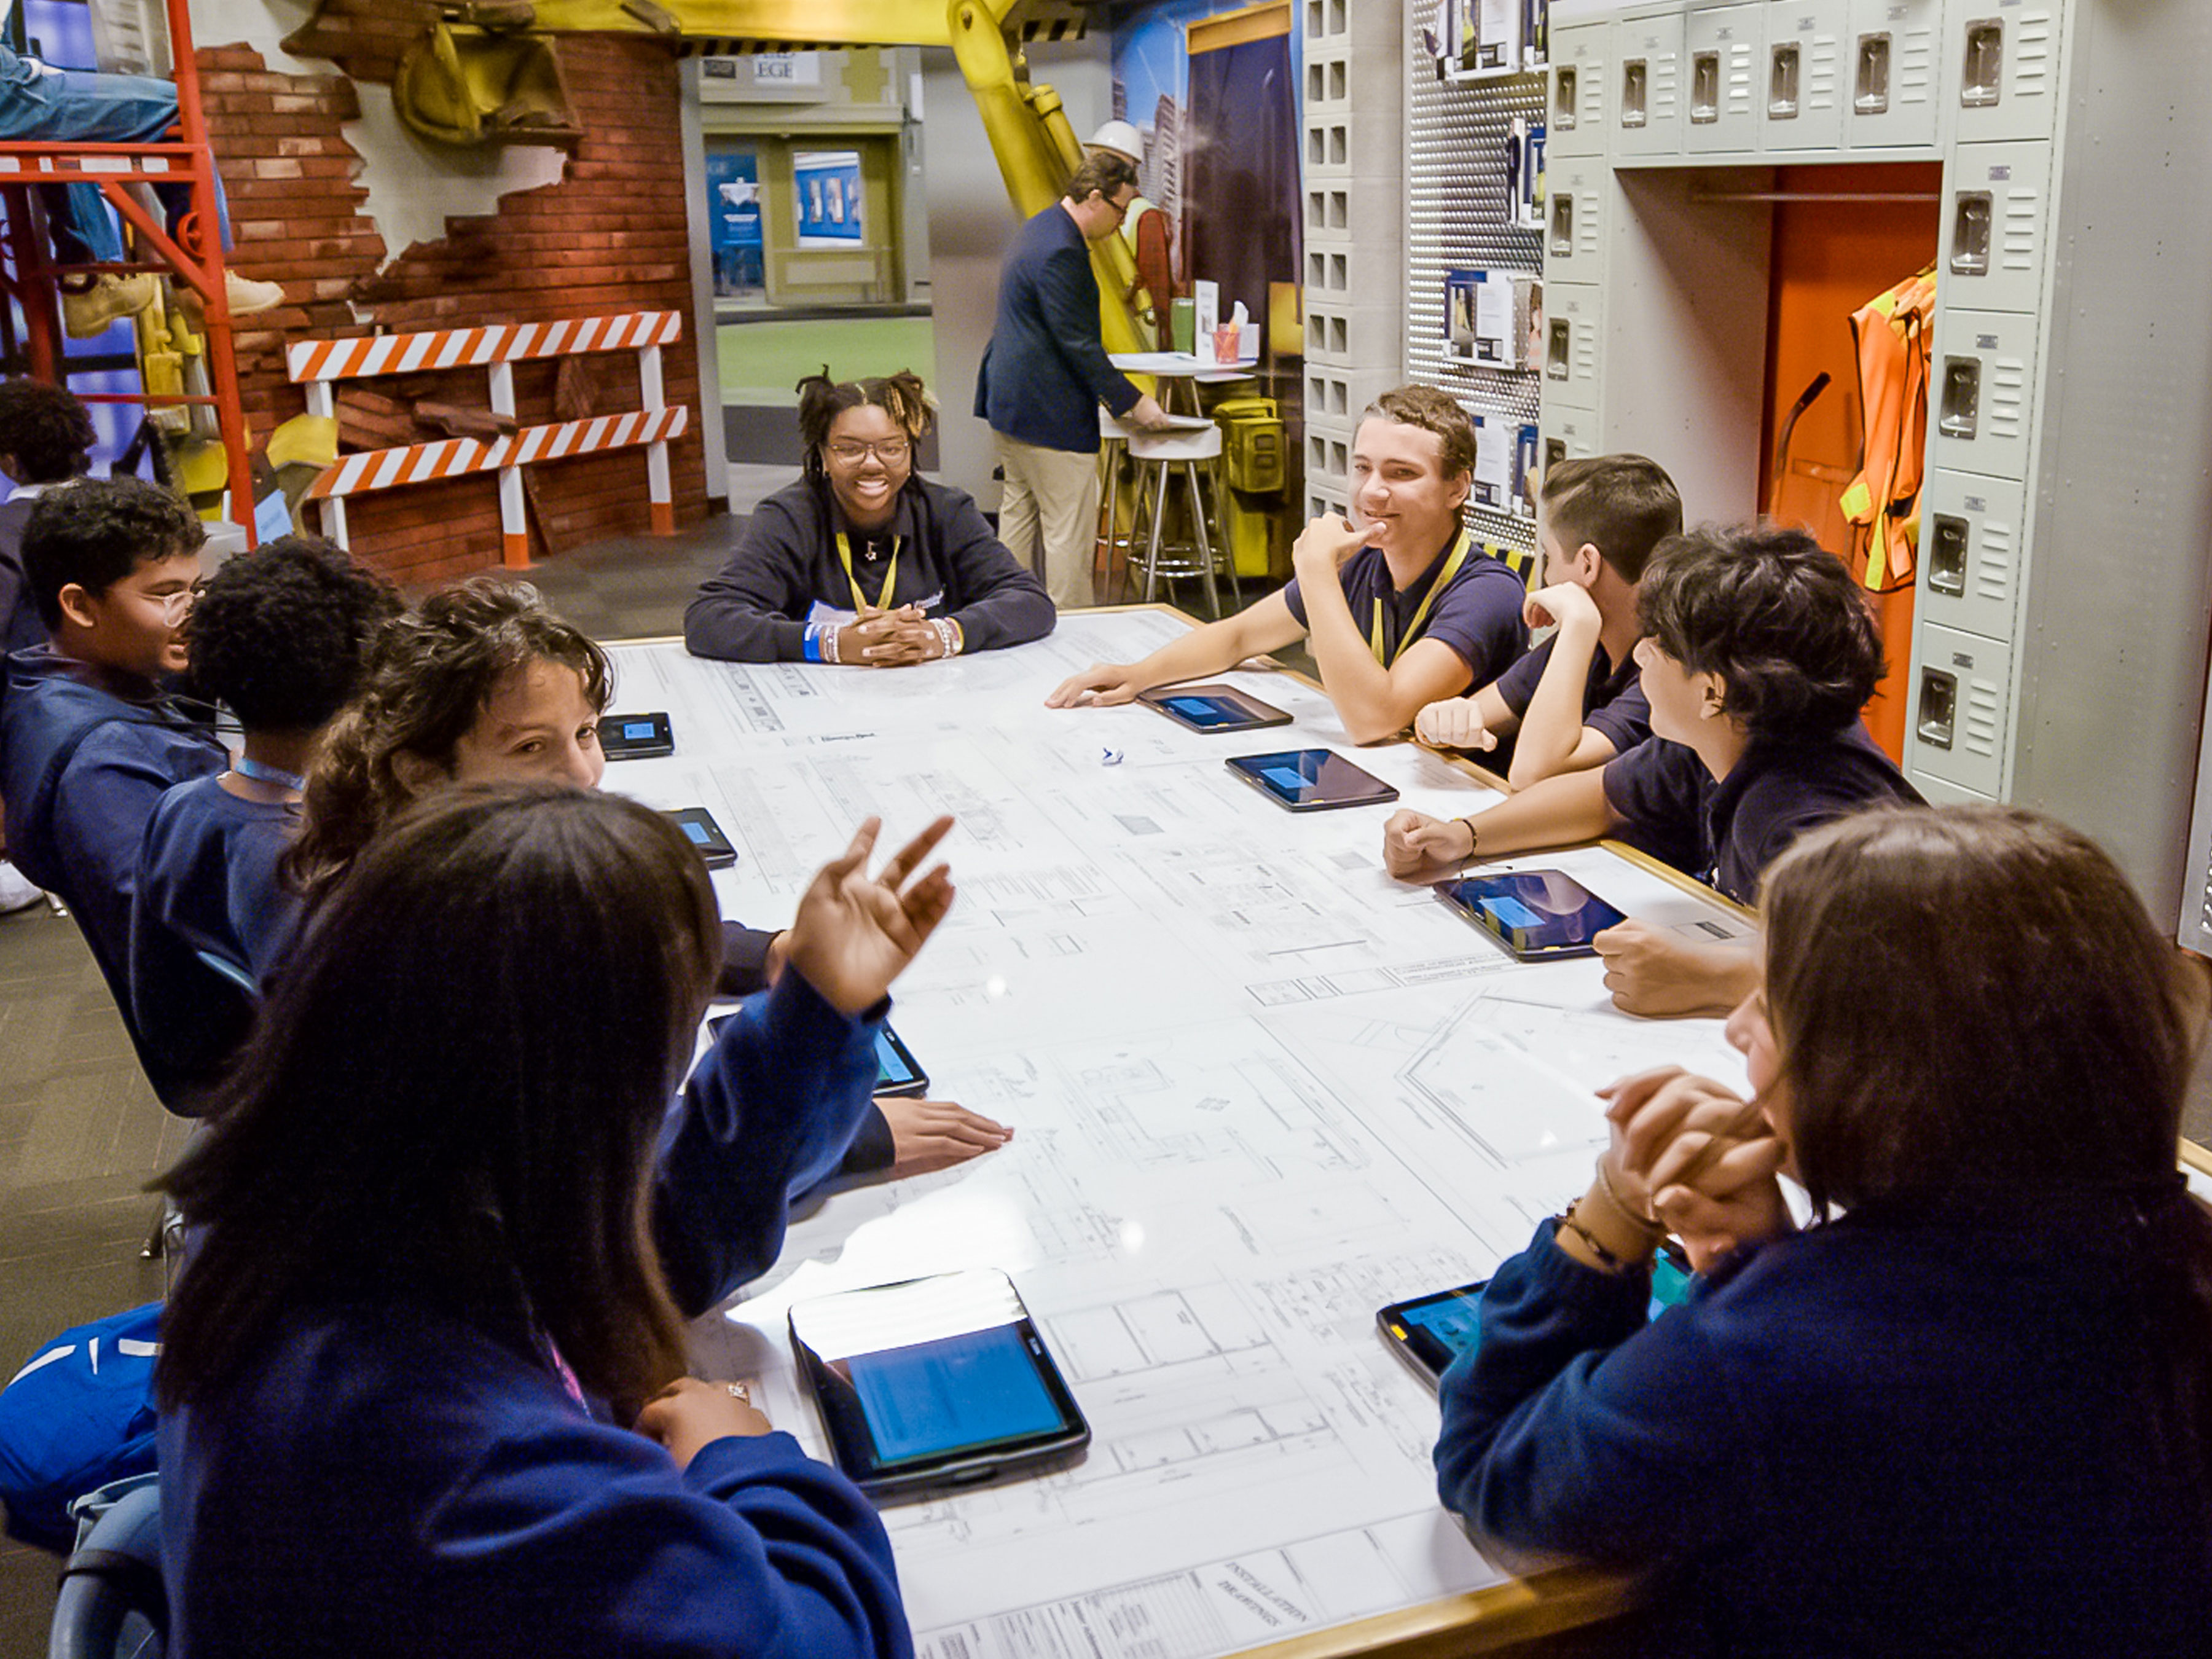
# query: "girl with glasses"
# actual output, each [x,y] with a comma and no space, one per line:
[861,562]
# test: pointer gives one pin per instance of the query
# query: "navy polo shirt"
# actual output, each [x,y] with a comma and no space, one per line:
[1725,831]
[1479,616]
[1614,703]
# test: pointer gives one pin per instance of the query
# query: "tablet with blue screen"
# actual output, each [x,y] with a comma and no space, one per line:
[1537,915]
[933,1383]
[1311,779]
[635,736]
[1430,1331]
[1212,708]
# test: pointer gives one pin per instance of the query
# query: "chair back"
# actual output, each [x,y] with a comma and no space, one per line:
[113,1603]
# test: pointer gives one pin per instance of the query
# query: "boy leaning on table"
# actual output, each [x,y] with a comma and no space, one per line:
[1400,610]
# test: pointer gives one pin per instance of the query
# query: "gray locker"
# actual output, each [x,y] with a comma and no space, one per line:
[2003,68]
[1575,193]
[1647,85]
[1570,434]
[1574,319]
[1581,99]
[1726,100]
[1958,728]
[1802,102]
[1980,380]
[1973,546]
[1892,48]
[1996,226]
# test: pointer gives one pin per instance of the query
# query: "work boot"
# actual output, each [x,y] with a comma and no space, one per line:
[113,294]
[246,297]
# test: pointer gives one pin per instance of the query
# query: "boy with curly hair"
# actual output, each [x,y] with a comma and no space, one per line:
[278,636]
[1758,655]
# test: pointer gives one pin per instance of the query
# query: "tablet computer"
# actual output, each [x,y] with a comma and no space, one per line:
[1430,1331]
[635,736]
[934,1383]
[897,1072]
[699,827]
[1311,779]
[1537,915]
[1213,708]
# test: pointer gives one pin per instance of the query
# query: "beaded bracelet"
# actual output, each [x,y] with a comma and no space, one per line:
[1606,1258]
[948,635]
[828,642]
[1649,1223]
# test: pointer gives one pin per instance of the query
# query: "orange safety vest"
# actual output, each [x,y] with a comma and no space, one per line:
[1882,504]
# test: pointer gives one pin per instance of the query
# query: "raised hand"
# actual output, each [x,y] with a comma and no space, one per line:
[855,933]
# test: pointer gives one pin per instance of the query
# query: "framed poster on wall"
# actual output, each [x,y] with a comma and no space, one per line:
[733,222]
[826,188]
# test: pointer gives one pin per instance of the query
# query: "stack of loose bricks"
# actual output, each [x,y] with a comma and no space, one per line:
[611,236]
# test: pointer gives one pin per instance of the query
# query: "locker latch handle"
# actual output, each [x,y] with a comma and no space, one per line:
[1947,555]
[1981,76]
[1962,396]
[1563,98]
[1970,233]
[1635,85]
[1939,708]
[1563,225]
[1705,88]
[1872,96]
[1782,82]
[1556,355]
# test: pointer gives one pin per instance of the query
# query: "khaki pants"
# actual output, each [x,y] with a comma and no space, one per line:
[1051,500]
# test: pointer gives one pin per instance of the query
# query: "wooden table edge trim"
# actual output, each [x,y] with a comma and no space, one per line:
[1519,1610]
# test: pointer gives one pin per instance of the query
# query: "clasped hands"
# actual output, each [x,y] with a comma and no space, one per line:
[1695,1156]
[897,638]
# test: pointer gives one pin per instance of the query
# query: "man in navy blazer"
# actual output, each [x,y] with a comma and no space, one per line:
[1046,372]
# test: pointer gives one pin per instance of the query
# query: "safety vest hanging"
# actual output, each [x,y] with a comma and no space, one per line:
[890,576]
[1386,654]
[1891,332]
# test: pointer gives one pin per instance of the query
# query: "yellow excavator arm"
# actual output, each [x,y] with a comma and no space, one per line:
[1037,147]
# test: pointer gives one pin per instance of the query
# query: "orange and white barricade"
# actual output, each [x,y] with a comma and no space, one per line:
[320,364]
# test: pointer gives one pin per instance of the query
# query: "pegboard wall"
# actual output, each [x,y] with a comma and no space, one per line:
[1459,217]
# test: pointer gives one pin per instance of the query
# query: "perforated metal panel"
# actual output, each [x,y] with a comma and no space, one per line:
[1459,217]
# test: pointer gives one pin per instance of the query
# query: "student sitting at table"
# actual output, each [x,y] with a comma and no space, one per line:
[483,684]
[89,737]
[1973,1412]
[1401,610]
[1758,654]
[864,562]
[280,637]
[423,1382]
[1576,700]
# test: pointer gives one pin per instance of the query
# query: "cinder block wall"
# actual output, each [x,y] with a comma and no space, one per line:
[610,237]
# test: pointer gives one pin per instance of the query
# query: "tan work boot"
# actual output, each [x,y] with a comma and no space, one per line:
[113,294]
[246,297]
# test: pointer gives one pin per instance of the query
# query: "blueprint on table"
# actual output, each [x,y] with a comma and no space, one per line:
[1259,1090]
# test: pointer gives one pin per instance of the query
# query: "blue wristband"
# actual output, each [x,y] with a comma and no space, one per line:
[813,642]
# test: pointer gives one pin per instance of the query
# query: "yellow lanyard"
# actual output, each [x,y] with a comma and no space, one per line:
[1385,655]
[890,576]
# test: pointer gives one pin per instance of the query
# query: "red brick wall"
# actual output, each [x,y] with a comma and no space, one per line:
[611,236]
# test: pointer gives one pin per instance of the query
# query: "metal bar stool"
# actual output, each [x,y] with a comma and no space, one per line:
[1160,457]
[1113,442]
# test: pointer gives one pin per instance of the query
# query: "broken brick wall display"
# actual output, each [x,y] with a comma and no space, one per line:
[611,236]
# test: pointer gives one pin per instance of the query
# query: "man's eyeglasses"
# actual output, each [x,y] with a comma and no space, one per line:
[890,451]
[175,607]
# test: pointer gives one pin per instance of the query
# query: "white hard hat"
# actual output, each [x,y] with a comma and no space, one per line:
[1120,137]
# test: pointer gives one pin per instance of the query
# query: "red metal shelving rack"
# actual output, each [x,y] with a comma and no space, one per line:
[195,256]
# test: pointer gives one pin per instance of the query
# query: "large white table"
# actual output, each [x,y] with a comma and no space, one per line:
[1258,1088]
